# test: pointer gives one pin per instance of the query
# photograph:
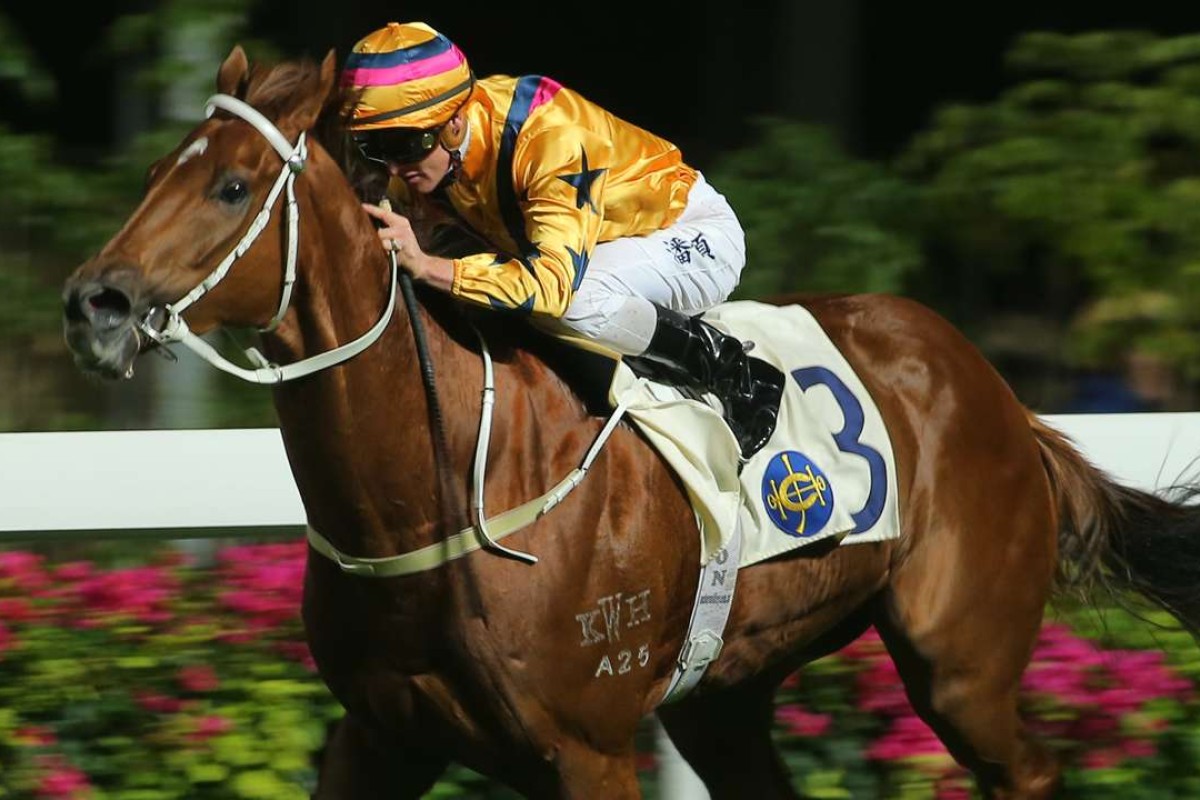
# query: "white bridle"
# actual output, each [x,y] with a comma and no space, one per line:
[174,329]
[484,533]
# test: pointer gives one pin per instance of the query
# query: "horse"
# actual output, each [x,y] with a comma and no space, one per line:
[479,660]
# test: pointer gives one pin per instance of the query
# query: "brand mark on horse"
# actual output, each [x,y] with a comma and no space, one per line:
[634,610]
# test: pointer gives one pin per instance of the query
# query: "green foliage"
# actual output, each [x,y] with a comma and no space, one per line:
[1076,190]
[816,219]
[55,211]
[165,681]
[19,66]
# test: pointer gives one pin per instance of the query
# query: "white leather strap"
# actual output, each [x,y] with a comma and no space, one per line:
[710,612]
[240,108]
[175,329]
[484,533]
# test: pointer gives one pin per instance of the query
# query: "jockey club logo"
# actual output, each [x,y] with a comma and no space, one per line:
[796,494]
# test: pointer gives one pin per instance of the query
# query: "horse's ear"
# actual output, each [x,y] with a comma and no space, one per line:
[305,114]
[234,73]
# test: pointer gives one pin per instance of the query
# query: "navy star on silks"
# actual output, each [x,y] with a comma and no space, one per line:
[580,262]
[582,181]
[524,308]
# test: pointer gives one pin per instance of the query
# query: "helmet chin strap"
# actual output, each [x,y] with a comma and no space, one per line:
[457,154]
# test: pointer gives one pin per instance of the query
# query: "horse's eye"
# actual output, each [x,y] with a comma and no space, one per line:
[234,191]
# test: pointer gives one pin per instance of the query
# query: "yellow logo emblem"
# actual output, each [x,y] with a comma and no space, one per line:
[797,495]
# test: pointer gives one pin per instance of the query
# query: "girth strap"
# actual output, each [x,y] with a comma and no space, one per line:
[478,535]
[714,598]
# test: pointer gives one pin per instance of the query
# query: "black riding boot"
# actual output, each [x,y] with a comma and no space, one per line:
[687,351]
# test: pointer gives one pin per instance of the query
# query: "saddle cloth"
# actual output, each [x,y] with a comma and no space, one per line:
[828,470]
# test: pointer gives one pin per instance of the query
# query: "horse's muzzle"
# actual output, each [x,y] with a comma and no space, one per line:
[100,326]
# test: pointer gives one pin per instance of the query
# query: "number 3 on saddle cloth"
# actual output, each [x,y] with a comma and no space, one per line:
[828,470]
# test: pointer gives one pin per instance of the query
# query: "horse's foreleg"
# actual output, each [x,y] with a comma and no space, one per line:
[726,738]
[579,772]
[356,764]
[960,621]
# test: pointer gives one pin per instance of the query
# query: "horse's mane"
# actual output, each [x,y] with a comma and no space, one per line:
[272,89]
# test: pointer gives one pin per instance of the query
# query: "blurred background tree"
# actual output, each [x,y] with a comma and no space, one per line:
[816,218]
[62,202]
[1071,199]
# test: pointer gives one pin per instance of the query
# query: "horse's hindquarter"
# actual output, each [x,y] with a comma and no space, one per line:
[955,428]
[974,497]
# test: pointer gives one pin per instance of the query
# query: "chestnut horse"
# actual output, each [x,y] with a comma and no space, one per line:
[480,660]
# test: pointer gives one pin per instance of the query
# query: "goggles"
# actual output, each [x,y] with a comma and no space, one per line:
[396,145]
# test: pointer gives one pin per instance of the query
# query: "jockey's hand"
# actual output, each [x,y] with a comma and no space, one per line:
[396,235]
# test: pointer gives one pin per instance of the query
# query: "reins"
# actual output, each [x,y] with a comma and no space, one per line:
[441,452]
[484,533]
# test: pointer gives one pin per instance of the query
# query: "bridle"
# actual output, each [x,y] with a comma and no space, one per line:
[173,327]
[484,533]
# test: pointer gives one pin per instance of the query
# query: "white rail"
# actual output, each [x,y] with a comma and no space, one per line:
[194,483]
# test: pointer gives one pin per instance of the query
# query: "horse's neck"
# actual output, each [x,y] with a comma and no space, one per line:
[358,435]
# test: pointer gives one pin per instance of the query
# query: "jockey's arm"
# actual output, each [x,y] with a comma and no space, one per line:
[560,197]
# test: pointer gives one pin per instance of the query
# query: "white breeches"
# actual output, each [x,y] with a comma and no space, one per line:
[688,267]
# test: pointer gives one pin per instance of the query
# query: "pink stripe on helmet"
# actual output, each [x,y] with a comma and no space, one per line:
[385,76]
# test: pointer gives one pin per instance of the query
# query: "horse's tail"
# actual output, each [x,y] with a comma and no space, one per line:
[1116,538]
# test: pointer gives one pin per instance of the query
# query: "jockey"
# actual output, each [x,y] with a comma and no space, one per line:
[597,228]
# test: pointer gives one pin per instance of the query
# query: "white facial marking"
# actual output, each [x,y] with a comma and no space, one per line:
[194,149]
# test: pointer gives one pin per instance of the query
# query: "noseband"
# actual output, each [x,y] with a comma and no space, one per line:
[175,329]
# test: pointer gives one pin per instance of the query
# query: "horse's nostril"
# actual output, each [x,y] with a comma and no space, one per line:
[105,307]
[109,301]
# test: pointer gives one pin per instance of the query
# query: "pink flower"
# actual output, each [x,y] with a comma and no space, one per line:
[198,678]
[1139,748]
[868,647]
[75,571]
[299,652]
[143,594]
[15,610]
[61,781]
[208,727]
[1095,726]
[1104,758]
[953,789]
[803,723]
[158,703]
[24,570]
[908,737]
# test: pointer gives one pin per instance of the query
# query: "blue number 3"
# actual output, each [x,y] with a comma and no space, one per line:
[847,441]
